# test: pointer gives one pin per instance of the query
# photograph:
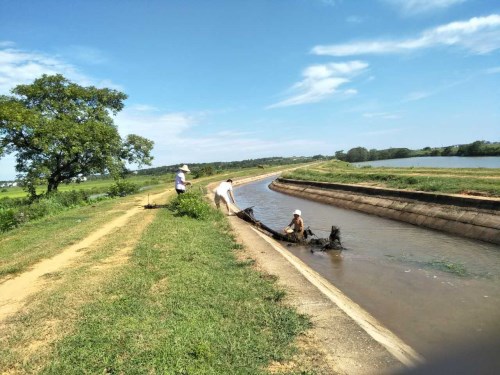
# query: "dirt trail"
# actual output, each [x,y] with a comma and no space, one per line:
[14,292]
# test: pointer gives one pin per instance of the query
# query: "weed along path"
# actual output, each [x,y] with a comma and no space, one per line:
[15,291]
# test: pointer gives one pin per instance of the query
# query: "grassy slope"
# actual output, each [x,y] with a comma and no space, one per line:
[24,246]
[477,181]
[184,305]
[182,302]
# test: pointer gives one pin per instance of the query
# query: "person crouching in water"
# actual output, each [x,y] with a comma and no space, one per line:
[224,193]
[296,226]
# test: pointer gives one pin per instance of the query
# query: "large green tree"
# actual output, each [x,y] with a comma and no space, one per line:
[59,130]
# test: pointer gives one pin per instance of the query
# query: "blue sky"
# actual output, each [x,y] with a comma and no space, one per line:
[232,80]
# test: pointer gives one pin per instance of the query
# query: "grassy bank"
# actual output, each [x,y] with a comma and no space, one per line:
[163,294]
[473,181]
[43,238]
[22,247]
[184,305]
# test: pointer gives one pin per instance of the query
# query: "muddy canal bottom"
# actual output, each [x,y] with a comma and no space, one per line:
[435,291]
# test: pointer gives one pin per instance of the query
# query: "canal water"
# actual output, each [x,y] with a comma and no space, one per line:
[435,291]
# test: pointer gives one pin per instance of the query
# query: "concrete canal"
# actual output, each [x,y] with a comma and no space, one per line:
[434,290]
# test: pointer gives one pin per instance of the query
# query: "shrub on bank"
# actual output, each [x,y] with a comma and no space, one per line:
[191,204]
[122,188]
[15,212]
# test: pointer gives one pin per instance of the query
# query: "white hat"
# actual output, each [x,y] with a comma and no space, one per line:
[184,168]
[297,212]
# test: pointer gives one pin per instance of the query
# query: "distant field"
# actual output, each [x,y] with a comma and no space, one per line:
[97,186]
[472,181]
[100,186]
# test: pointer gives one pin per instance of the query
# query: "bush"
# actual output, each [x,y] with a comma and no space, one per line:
[122,188]
[14,212]
[191,204]
[8,219]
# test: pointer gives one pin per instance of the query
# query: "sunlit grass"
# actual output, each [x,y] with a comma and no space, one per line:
[96,186]
[184,304]
[452,180]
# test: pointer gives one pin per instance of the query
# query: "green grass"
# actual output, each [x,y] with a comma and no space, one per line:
[96,186]
[183,305]
[477,181]
[43,238]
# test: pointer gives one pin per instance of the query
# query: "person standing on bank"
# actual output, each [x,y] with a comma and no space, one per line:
[180,179]
[224,193]
[296,226]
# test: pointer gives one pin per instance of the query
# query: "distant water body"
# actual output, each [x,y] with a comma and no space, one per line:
[438,162]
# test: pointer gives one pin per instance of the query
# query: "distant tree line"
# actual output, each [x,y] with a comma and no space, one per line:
[477,148]
[209,169]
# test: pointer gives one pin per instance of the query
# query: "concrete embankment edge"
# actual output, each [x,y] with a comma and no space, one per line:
[468,217]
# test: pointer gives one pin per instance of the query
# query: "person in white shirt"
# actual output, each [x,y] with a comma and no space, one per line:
[180,179]
[224,193]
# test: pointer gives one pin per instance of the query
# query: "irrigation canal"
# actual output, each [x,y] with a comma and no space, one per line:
[434,290]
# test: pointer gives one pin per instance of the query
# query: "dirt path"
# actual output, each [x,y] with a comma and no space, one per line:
[15,291]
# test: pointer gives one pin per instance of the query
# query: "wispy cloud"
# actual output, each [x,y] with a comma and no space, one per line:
[6,43]
[381,132]
[143,108]
[21,67]
[494,70]
[176,142]
[479,35]
[330,2]
[383,115]
[86,55]
[163,128]
[322,81]
[354,19]
[410,7]
[417,95]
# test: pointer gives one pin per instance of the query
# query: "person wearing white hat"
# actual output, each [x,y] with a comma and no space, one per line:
[296,226]
[180,179]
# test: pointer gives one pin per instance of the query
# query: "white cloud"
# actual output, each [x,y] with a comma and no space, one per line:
[354,19]
[351,92]
[85,54]
[143,108]
[381,132]
[479,35]
[494,70]
[23,67]
[175,142]
[417,95]
[6,43]
[421,6]
[330,2]
[321,81]
[163,128]
[383,115]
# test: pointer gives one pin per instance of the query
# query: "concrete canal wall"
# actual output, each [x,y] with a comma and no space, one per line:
[472,217]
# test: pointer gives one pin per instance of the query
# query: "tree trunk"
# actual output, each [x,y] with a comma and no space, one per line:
[53,184]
